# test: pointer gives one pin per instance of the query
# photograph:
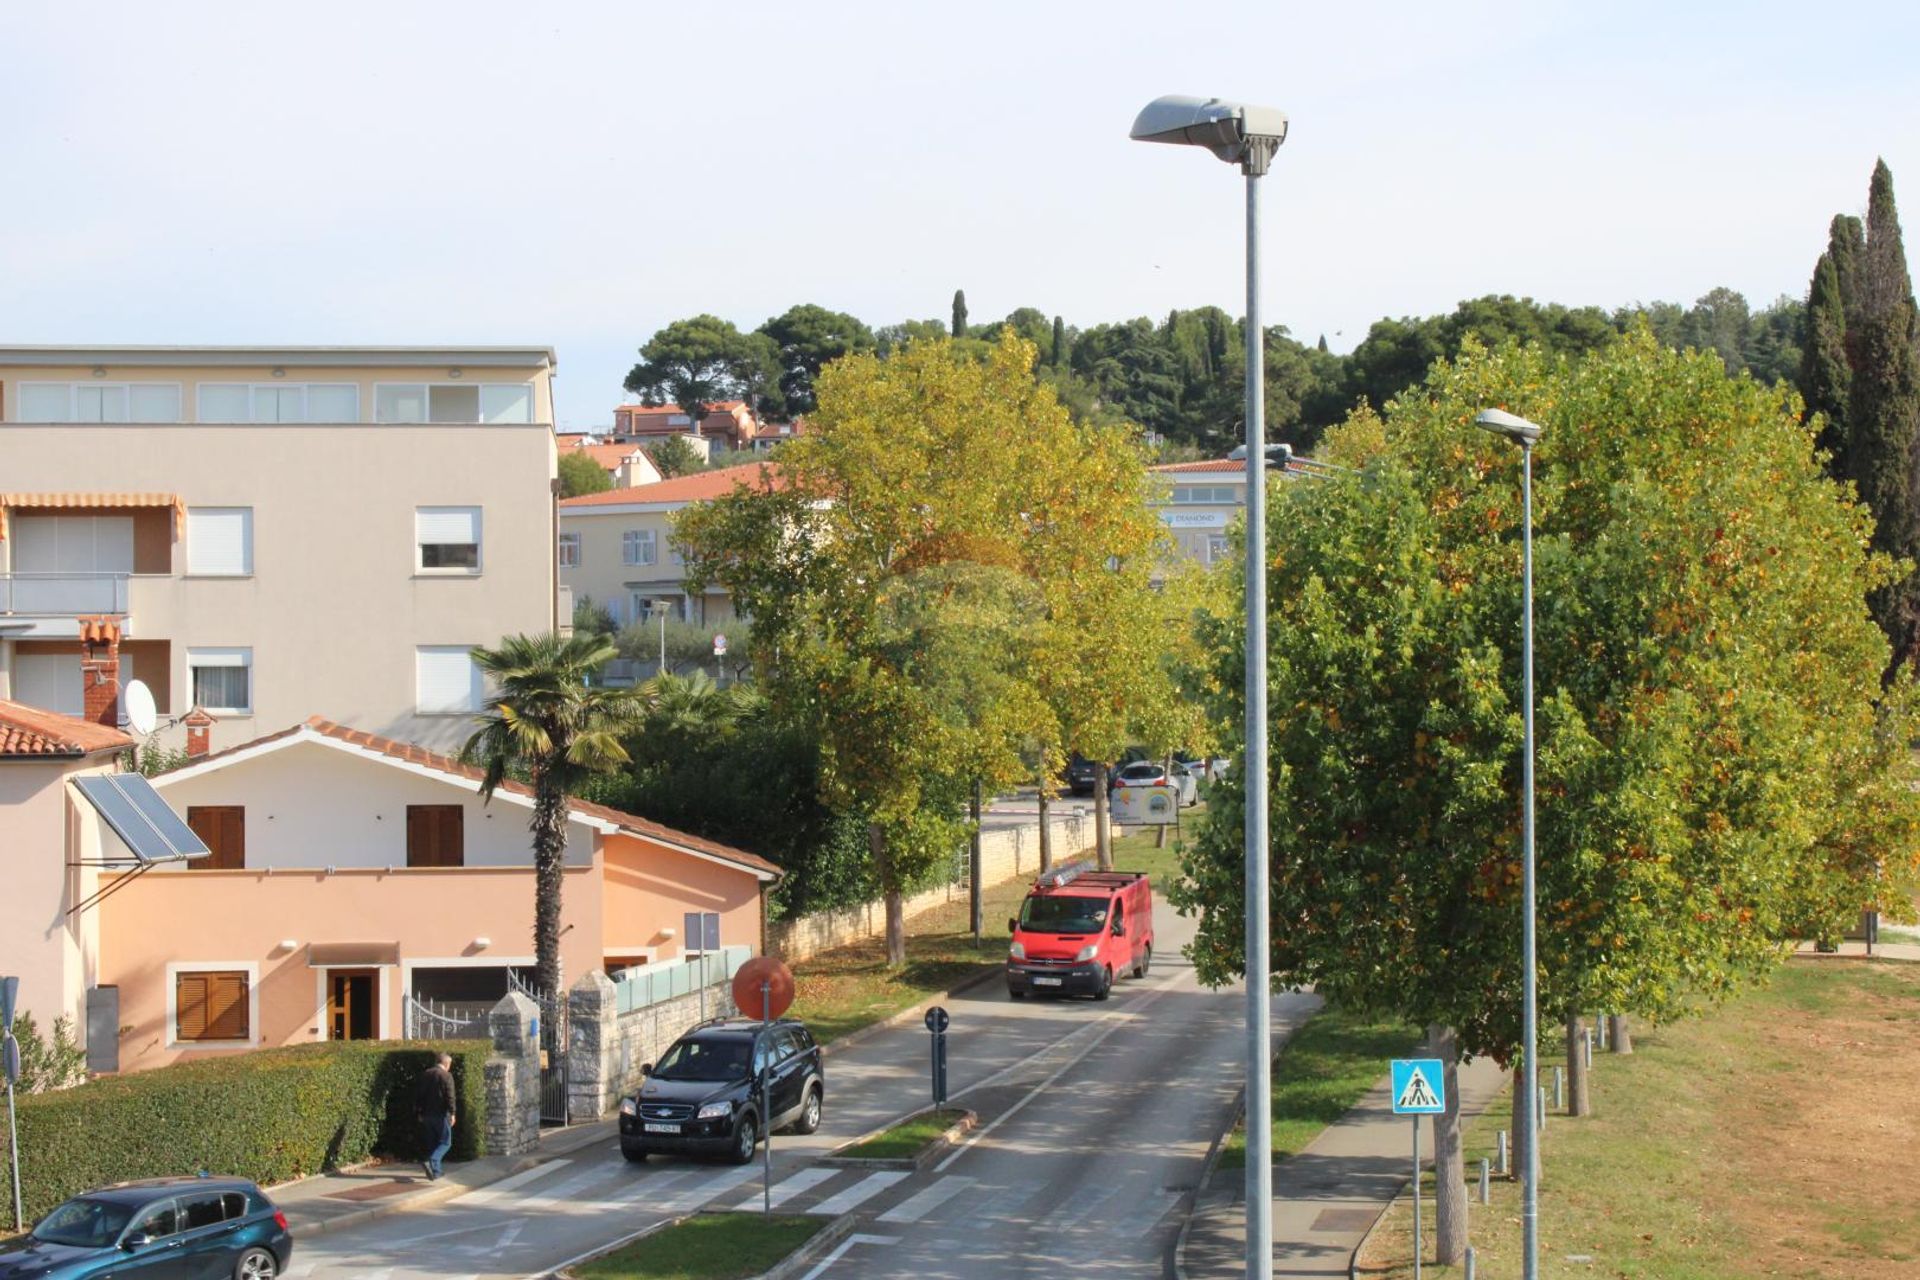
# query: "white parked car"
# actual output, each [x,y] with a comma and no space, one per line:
[1151,773]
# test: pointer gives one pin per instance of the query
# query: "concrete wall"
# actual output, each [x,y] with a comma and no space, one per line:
[650,887]
[1005,854]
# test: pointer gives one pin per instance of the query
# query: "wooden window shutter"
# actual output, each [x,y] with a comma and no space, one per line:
[436,835]
[223,828]
[211,1006]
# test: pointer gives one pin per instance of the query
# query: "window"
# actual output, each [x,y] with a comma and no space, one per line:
[210,1209]
[73,544]
[448,538]
[99,402]
[1221,494]
[569,551]
[330,402]
[212,1005]
[459,402]
[220,541]
[447,682]
[1218,549]
[159,1221]
[222,680]
[223,829]
[436,835]
[636,546]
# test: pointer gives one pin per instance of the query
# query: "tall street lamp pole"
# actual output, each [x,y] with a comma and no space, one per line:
[1524,433]
[1247,136]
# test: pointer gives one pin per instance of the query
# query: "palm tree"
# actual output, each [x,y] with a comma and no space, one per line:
[547,720]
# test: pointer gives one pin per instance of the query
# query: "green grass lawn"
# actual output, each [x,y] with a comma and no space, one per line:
[851,987]
[708,1246]
[1326,1066]
[1768,1138]
[908,1138]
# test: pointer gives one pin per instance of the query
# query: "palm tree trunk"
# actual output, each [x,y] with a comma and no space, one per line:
[1449,1158]
[1102,826]
[1046,827]
[549,827]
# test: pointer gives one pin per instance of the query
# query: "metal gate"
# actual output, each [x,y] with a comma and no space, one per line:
[553,1051]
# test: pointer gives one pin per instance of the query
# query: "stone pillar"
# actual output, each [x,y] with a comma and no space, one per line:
[596,1054]
[513,1077]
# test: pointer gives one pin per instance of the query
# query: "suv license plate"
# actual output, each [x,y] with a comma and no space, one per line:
[662,1128]
[1046,982]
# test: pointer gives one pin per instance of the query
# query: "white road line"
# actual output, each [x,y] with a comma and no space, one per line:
[919,1206]
[803,1181]
[820,1268]
[498,1190]
[558,1196]
[861,1191]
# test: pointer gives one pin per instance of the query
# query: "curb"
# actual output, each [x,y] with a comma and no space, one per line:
[1207,1169]
[825,1238]
[911,1013]
[914,1163]
[1353,1259]
[831,1234]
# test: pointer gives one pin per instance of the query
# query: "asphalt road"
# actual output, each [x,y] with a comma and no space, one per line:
[1095,1119]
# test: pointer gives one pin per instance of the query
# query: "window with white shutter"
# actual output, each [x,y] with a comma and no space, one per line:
[220,541]
[447,539]
[447,681]
[222,680]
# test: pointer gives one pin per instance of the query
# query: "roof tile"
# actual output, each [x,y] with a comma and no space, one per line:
[33,732]
[698,487]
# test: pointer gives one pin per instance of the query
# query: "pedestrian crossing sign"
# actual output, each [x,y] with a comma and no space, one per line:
[1419,1087]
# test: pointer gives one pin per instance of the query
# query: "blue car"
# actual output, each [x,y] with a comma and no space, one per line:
[161,1229]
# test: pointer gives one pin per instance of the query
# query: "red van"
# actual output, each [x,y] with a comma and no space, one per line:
[1078,930]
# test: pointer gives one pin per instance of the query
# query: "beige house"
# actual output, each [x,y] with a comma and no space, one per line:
[1198,502]
[627,465]
[617,547]
[276,529]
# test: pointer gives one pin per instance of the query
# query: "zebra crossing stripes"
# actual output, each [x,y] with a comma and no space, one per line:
[857,1194]
[925,1201]
[800,1183]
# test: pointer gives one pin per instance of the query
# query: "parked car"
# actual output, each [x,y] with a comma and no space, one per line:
[704,1097]
[160,1227]
[1211,769]
[1078,930]
[1151,773]
[1081,775]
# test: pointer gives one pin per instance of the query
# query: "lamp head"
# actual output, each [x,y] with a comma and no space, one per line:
[1235,131]
[1511,426]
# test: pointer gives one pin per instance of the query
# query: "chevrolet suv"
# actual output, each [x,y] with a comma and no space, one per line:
[706,1095]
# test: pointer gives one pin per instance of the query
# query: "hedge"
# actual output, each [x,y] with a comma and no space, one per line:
[271,1115]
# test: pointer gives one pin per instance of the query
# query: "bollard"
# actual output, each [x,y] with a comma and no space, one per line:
[1559,1088]
[1486,1187]
[1502,1154]
[1541,1111]
[1589,1040]
[1468,1273]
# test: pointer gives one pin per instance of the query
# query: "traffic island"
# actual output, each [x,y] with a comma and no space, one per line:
[911,1144]
[726,1245]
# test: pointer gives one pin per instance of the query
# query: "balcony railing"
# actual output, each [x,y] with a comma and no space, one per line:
[62,594]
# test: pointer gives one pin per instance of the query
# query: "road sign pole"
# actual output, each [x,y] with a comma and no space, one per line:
[1416,1198]
[766,1098]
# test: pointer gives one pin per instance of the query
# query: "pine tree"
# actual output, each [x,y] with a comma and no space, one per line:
[959,313]
[1059,357]
[1825,377]
[1883,409]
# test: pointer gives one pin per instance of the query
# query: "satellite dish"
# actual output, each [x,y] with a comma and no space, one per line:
[137,702]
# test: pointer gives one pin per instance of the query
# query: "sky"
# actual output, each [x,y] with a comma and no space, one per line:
[580,174]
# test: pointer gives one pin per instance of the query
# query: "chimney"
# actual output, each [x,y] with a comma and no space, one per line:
[197,722]
[100,669]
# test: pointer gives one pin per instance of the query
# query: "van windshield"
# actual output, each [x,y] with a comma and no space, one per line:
[1063,915]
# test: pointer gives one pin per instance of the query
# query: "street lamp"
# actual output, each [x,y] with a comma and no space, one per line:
[1525,434]
[1247,136]
[660,605]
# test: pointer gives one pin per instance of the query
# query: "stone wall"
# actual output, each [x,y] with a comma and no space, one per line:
[513,1077]
[1005,854]
[606,1049]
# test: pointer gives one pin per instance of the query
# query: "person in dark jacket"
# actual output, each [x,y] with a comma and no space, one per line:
[434,1101]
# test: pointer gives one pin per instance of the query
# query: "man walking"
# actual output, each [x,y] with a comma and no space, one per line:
[433,1100]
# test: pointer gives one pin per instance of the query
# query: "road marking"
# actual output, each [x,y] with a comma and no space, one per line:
[868,1187]
[497,1191]
[788,1188]
[919,1206]
[820,1268]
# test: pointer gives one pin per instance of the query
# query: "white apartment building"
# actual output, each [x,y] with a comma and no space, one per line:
[279,532]
[1200,502]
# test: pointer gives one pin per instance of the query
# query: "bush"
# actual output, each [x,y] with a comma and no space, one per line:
[56,1063]
[271,1115]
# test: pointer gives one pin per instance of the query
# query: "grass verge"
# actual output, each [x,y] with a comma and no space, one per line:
[708,1246]
[1764,1139]
[843,990]
[908,1138]
[1325,1067]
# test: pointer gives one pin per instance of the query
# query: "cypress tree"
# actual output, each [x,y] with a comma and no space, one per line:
[1323,344]
[1883,409]
[959,313]
[1826,380]
[1059,343]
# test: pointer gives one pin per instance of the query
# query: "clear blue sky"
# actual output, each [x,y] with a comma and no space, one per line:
[580,174]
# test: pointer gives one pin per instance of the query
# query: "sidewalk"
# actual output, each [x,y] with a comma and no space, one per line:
[332,1201]
[1326,1197]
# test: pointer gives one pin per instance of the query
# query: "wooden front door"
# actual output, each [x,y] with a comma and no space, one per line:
[353,1004]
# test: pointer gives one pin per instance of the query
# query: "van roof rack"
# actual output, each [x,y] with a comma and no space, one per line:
[1085,873]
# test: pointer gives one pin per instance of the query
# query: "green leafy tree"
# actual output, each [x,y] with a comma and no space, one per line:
[591,618]
[959,327]
[580,474]
[809,338]
[544,720]
[698,362]
[48,1062]
[674,456]
[1719,769]
[891,338]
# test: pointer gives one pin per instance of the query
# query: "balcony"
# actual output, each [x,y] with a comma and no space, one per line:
[51,603]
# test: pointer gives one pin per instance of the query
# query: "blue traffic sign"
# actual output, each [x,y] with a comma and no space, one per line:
[1419,1086]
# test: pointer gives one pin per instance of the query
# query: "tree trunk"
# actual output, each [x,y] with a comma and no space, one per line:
[1619,1034]
[974,916]
[1449,1159]
[1524,1101]
[1102,826]
[890,894]
[1046,827]
[549,827]
[1160,835]
[1578,1101]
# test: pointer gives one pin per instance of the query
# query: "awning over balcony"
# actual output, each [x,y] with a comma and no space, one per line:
[96,502]
[334,955]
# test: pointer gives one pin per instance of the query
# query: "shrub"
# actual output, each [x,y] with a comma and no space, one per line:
[55,1063]
[271,1115]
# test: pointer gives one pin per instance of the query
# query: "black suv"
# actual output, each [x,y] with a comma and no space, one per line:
[704,1097]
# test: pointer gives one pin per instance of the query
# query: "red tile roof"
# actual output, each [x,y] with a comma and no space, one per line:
[1209,465]
[32,732]
[410,753]
[718,406]
[698,487]
[608,456]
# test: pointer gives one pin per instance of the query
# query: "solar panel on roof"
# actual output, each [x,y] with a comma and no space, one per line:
[142,820]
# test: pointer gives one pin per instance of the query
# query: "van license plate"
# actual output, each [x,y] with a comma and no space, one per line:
[1046,982]
[662,1128]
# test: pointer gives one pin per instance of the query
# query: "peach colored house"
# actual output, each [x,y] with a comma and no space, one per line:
[731,424]
[351,873]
